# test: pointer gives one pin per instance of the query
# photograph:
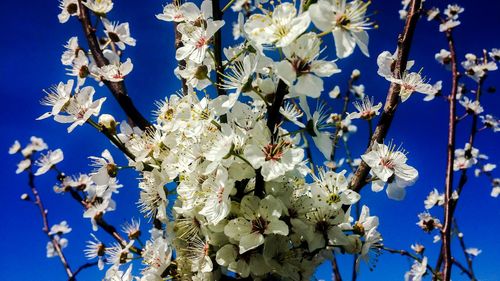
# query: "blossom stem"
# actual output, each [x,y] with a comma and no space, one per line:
[384,123]
[343,113]
[227,6]
[448,217]
[335,268]
[117,88]
[468,258]
[80,268]
[410,255]
[45,220]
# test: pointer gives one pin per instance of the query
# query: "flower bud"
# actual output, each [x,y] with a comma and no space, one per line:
[355,74]
[108,122]
[25,197]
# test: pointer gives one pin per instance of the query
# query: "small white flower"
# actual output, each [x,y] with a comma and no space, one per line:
[471,106]
[58,98]
[61,228]
[118,33]
[280,28]
[366,109]
[465,158]
[491,121]
[412,82]
[259,218]
[71,51]
[51,251]
[347,22]
[452,11]
[444,58]
[80,108]
[23,165]
[105,168]
[99,6]
[47,161]
[388,165]
[449,24]
[15,147]
[417,271]
[68,8]
[196,40]
[473,251]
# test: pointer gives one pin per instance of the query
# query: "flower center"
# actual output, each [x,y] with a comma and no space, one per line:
[201,42]
[259,225]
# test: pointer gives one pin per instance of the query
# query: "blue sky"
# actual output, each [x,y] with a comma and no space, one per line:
[31,45]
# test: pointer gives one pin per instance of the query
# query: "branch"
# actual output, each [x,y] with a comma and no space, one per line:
[82,267]
[108,228]
[117,88]
[342,115]
[410,255]
[470,271]
[464,270]
[45,220]
[448,217]
[391,103]
[217,15]
[273,119]
[336,272]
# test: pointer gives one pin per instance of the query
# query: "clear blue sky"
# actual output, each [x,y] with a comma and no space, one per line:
[31,46]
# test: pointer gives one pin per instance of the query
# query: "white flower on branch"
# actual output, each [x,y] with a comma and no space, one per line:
[366,109]
[60,228]
[115,71]
[347,22]
[100,7]
[259,218]
[51,250]
[68,8]
[281,27]
[72,49]
[388,165]
[417,271]
[302,70]
[195,40]
[119,34]
[48,160]
[58,98]
[80,108]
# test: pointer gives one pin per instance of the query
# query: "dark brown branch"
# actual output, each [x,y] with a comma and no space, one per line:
[468,258]
[391,103]
[462,268]
[117,88]
[410,255]
[108,228]
[463,177]
[45,220]
[82,267]
[448,213]
[217,15]
[273,120]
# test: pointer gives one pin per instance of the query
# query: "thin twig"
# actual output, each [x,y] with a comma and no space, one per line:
[217,15]
[410,255]
[45,220]
[335,268]
[468,258]
[391,103]
[117,88]
[448,214]
[80,268]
